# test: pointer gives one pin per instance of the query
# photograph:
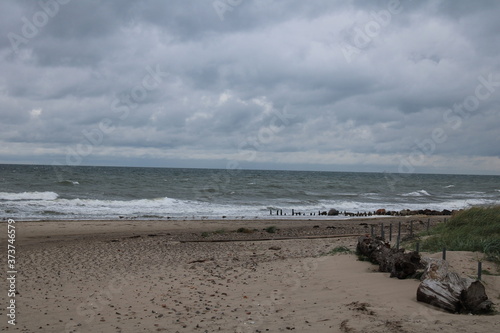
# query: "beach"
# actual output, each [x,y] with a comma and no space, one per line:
[221,276]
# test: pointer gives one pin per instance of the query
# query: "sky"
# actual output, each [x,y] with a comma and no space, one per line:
[378,86]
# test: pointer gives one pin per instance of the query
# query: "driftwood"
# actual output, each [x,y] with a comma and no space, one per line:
[445,289]
[394,261]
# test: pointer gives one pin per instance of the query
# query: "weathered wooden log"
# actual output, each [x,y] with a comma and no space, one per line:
[445,289]
[394,261]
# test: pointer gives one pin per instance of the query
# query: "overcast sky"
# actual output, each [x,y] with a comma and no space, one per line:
[396,86]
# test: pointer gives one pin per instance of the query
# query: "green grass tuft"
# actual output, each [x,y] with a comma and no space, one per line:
[271,230]
[338,250]
[244,230]
[474,229]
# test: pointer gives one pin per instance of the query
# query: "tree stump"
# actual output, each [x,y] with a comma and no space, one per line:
[446,290]
[394,261]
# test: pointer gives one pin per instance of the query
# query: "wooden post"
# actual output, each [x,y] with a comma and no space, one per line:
[417,248]
[399,231]
[444,253]
[293,212]
[479,270]
[372,233]
[397,242]
[428,224]
[390,232]
[270,212]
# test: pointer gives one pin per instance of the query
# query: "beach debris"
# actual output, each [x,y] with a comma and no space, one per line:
[345,328]
[198,261]
[361,307]
[445,289]
[275,248]
[399,263]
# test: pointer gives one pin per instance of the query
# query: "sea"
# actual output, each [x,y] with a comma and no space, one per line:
[44,192]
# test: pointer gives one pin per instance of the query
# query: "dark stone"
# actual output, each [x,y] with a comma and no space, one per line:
[333,212]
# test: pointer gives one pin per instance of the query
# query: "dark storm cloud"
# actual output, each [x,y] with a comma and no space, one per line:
[292,82]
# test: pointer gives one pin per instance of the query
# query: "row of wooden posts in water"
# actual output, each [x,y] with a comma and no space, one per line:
[332,212]
[378,212]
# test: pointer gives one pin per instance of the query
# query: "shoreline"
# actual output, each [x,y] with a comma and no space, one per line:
[276,214]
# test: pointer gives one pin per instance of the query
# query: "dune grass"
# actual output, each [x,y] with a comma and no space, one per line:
[474,229]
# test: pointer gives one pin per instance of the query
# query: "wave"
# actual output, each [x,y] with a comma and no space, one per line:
[420,193]
[69,182]
[358,206]
[449,186]
[8,196]
[108,209]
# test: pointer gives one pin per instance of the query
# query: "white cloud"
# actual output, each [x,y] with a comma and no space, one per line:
[35,113]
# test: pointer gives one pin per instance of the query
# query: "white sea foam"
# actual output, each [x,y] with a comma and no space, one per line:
[416,194]
[69,182]
[176,208]
[354,206]
[162,207]
[48,204]
[8,196]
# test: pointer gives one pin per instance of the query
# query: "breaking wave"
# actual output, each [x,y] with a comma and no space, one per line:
[7,196]
[420,193]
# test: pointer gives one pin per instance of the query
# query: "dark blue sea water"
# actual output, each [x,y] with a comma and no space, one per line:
[47,192]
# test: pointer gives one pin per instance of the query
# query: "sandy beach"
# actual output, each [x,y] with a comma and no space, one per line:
[204,276]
